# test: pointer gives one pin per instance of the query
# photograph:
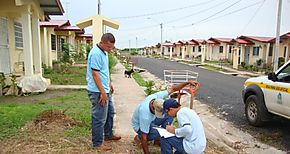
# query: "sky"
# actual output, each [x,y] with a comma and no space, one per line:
[181,19]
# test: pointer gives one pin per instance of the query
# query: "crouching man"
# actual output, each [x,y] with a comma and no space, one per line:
[149,113]
[189,136]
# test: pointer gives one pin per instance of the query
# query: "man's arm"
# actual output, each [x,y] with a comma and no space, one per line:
[179,87]
[144,143]
[103,96]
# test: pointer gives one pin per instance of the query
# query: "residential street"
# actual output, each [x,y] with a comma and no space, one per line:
[223,93]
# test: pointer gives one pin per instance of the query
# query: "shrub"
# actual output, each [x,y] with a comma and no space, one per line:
[243,64]
[149,87]
[259,62]
[281,61]
[112,61]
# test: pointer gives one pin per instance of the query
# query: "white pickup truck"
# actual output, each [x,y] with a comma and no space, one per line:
[267,95]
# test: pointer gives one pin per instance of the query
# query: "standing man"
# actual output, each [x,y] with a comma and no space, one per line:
[149,113]
[99,89]
[190,137]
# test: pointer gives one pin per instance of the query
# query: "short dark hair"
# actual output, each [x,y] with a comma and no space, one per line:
[108,37]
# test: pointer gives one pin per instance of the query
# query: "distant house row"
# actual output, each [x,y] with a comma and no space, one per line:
[244,49]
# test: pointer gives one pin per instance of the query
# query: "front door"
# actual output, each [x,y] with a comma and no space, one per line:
[4,47]
[247,54]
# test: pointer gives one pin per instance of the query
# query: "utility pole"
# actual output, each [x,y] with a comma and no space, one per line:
[99,7]
[161,31]
[136,45]
[129,46]
[277,43]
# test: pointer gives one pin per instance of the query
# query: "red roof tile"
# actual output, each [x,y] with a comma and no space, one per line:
[54,23]
[242,41]
[68,28]
[223,40]
[85,35]
[257,38]
[167,44]
[212,41]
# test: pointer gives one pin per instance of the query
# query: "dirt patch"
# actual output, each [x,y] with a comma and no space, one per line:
[50,120]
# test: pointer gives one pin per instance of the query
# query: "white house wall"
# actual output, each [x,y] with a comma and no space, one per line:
[28,14]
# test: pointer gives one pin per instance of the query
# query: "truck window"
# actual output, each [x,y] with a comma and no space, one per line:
[284,75]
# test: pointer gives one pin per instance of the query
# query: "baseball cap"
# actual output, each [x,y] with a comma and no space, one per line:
[169,103]
[158,107]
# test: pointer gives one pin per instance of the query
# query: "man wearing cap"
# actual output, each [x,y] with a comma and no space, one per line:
[189,136]
[149,113]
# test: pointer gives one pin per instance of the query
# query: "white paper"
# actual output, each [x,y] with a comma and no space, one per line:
[163,132]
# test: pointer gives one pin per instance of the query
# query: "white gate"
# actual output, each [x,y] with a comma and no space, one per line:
[4,47]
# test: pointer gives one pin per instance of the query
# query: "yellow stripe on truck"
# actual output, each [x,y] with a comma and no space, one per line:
[267,86]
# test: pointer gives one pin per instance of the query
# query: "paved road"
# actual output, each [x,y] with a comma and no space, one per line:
[223,93]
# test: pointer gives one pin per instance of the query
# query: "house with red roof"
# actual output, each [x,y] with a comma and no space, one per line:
[179,49]
[250,49]
[194,48]
[218,49]
[54,34]
[283,47]
[20,47]
[168,49]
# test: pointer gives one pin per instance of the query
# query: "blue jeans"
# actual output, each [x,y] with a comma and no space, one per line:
[102,118]
[167,144]
[153,133]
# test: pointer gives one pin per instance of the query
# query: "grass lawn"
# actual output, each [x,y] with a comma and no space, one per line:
[67,75]
[14,115]
[215,68]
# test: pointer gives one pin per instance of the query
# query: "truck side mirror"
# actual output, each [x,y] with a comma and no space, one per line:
[272,76]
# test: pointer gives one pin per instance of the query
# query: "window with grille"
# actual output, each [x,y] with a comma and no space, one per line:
[18,35]
[221,49]
[193,49]
[256,51]
[270,51]
[199,48]
[53,42]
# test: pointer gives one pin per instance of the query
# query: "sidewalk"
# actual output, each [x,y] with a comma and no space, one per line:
[128,95]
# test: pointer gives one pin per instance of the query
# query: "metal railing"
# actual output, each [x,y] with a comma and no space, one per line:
[173,77]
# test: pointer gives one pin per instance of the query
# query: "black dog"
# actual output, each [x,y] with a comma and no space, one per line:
[128,73]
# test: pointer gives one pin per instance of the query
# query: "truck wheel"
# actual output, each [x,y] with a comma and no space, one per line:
[255,111]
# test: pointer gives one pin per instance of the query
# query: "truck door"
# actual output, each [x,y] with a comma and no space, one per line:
[277,94]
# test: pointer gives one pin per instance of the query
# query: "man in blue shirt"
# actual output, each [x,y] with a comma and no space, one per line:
[189,136]
[99,89]
[149,113]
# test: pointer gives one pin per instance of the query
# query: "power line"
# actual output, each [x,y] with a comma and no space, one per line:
[253,17]
[202,11]
[196,13]
[203,20]
[165,11]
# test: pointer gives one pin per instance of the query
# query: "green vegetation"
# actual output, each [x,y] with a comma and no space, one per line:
[66,75]
[13,115]
[189,62]
[214,68]
[138,78]
[112,61]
